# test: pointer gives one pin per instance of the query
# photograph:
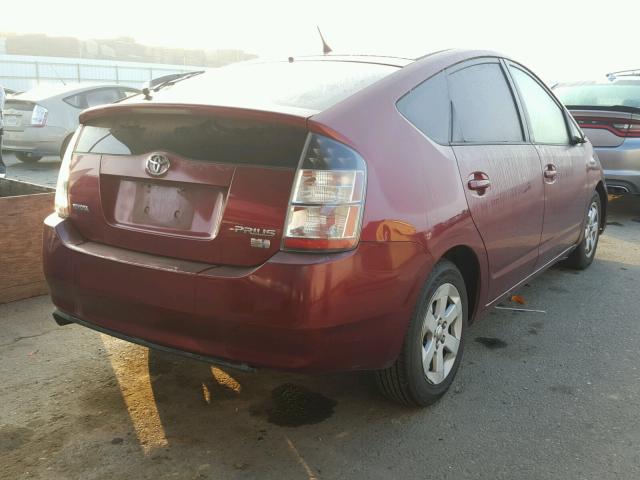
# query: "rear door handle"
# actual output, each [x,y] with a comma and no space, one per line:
[478,182]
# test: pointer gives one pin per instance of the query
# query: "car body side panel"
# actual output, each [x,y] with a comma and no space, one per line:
[414,191]
[509,213]
[565,198]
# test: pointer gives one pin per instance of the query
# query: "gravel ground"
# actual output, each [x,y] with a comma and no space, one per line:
[539,396]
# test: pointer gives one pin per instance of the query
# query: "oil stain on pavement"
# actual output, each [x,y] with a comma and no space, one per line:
[293,405]
[491,343]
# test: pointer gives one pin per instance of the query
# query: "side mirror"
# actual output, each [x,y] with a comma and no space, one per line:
[578,139]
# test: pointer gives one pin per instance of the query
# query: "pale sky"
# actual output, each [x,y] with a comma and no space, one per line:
[558,39]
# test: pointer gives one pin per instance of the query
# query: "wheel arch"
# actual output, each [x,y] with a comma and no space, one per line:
[602,193]
[466,260]
[65,144]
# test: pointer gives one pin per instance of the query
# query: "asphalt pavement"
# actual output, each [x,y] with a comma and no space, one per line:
[553,395]
[44,172]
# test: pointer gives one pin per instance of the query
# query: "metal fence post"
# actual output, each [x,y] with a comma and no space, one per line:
[117,75]
[37,74]
[79,79]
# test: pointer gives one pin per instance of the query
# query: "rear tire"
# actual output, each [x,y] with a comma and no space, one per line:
[28,157]
[433,345]
[584,253]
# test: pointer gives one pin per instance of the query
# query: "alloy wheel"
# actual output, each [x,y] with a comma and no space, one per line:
[441,333]
[591,230]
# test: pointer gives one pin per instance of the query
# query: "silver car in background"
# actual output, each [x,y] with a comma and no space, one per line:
[42,120]
[608,112]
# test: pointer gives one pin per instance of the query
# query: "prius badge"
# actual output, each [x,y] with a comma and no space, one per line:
[256,232]
[157,165]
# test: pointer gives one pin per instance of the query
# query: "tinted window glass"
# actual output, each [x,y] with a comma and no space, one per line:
[199,137]
[546,118]
[427,107]
[102,96]
[622,93]
[483,106]
[304,84]
[127,92]
[76,101]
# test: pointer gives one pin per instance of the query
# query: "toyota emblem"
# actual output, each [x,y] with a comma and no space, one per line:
[157,165]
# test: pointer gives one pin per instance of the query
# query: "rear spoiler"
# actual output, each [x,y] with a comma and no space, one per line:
[612,108]
[282,115]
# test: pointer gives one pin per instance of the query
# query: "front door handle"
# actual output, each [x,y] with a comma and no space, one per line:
[550,173]
[478,182]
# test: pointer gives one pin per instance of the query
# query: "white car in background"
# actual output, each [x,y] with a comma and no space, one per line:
[42,120]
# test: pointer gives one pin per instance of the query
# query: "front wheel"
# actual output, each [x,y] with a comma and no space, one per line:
[433,344]
[27,157]
[584,253]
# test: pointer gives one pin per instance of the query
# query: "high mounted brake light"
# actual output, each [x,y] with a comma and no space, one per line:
[327,200]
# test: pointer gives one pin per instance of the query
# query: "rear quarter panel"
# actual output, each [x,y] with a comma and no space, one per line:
[414,189]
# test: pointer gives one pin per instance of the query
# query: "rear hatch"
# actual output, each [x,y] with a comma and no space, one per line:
[204,184]
[17,114]
[604,127]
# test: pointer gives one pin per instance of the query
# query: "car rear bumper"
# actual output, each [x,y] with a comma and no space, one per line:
[39,141]
[298,312]
[621,166]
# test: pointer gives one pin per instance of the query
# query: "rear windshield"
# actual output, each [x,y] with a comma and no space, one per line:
[600,95]
[198,137]
[314,85]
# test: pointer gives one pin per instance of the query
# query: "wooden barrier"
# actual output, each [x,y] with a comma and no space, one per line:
[23,207]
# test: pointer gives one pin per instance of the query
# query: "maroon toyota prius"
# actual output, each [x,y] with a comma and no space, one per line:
[321,213]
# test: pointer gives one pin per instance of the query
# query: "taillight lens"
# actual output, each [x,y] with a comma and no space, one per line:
[327,200]
[61,201]
[39,116]
[617,126]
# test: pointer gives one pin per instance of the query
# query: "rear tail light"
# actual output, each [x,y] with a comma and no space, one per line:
[39,116]
[61,200]
[617,126]
[327,200]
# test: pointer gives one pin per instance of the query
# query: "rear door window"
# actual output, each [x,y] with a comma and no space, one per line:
[102,96]
[483,106]
[77,101]
[427,107]
[547,120]
[127,92]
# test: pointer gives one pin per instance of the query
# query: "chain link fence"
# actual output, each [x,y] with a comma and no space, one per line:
[21,72]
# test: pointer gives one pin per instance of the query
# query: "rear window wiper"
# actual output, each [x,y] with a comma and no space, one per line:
[169,80]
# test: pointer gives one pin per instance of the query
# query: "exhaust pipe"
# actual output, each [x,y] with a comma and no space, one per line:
[61,319]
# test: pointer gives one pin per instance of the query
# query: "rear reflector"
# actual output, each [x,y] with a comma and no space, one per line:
[327,200]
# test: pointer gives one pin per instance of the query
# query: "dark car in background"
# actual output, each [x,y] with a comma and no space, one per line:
[608,112]
[321,214]
[42,120]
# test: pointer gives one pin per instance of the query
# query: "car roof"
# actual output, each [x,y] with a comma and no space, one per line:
[42,92]
[375,59]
